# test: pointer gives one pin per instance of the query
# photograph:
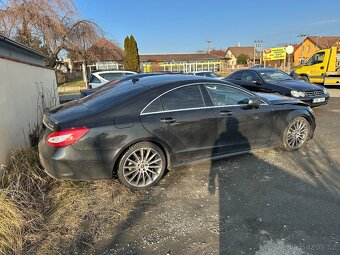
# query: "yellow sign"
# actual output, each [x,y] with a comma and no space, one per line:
[274,53]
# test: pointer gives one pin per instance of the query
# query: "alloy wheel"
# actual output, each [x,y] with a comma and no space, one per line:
[142,167]
[297,134]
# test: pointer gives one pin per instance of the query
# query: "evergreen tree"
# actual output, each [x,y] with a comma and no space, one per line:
[127,53]
[131,54]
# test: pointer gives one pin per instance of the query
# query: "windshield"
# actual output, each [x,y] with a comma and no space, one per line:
[274,75]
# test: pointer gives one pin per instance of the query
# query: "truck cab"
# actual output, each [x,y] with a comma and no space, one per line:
[322,68]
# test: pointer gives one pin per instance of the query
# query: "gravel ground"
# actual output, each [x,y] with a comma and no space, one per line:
[268,202]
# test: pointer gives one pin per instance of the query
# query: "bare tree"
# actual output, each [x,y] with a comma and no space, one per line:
[49,26]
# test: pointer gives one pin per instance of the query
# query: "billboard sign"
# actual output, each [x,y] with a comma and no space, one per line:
[274,53]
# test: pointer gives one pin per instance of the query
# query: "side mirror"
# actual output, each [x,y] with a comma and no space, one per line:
[254,102]
[256,82]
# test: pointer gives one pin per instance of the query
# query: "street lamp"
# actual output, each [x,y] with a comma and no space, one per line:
[258,46]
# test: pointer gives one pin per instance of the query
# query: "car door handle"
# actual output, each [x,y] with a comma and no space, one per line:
[168,120]
[226,113]
[322,67]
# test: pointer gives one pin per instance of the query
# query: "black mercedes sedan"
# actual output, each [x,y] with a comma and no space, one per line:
[140,128]
[271,80]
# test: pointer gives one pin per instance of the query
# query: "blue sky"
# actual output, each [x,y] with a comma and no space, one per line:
[177,26]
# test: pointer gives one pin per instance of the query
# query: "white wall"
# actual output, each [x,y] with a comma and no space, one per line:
[24,91]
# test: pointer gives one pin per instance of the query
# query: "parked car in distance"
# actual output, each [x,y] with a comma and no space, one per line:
[271,80]
[86,92]
[137,130]
[257,66]
[99,78]
[209,74]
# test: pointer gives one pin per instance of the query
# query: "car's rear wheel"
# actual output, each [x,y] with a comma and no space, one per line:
[141,166]
[296,134]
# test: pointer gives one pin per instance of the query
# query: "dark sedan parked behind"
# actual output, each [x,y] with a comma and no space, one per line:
[138,129]
[271,80]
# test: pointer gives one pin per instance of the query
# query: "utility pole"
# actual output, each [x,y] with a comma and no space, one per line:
[301,36]
[258,46]
[209,43]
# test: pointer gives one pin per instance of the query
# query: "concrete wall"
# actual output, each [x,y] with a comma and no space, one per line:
[24,91]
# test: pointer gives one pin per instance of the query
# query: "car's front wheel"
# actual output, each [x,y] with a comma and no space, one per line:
[296,134]
[141,166]
[303,78]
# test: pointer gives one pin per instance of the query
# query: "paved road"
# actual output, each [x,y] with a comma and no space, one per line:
[269,202]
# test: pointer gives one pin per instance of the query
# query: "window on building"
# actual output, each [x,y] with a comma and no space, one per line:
[308,49]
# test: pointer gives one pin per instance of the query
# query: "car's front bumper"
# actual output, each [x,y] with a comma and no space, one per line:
[70,163]
[311,100]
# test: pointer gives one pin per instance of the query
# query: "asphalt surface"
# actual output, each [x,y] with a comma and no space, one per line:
[268,202]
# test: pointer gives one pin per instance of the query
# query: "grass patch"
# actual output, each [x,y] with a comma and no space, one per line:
[40,215]
[72,87]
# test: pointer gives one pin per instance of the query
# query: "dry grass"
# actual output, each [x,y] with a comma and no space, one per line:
[41,216]
[72,87]
[22,188]
[83,213]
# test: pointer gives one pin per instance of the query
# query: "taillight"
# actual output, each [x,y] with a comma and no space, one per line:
[66,137]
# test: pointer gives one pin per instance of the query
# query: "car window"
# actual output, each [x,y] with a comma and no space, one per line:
[274,75]
[316,59]
[110,76]
[250,77]
[222,95]
[183,98]
[236,76]
[155,106]
[94,79]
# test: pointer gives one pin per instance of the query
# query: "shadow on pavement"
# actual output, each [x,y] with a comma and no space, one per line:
[272,201]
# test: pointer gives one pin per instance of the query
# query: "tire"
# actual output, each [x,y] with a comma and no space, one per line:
[141,166]
[296,134]
[303,78]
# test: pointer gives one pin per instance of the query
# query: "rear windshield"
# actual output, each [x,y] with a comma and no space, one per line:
[108,97]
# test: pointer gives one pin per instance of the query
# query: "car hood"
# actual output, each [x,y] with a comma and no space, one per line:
[297,85]
[275,99]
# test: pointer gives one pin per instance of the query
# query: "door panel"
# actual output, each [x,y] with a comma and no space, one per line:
[191,134]
[181,119]
[242,128]
[316,67]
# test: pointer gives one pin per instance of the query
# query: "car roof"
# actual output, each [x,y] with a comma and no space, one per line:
[261,69]
[113,71]
[203,72]
[161,80]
